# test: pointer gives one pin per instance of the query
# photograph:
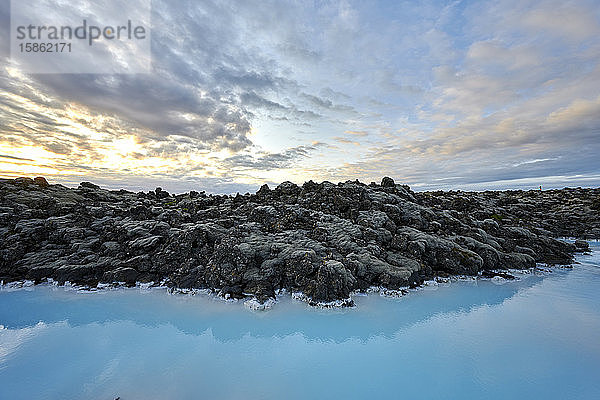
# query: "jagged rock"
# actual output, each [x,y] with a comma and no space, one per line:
[41,181]
[323,239]
[582,245]
[89,185]
[387,182]
[23,181]
[122,274]
[332,282]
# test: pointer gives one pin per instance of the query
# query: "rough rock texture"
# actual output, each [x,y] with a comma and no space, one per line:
[325,240]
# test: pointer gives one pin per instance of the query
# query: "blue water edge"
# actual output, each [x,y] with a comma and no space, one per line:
[535,338]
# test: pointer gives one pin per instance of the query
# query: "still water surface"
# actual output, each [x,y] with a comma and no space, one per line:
[537,338]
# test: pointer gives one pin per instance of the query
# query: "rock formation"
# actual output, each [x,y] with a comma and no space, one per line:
[322,239]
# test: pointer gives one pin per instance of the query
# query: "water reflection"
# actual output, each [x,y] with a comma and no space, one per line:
[536,338]
[195,315]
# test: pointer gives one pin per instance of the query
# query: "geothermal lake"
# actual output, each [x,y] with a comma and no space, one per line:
[538,337]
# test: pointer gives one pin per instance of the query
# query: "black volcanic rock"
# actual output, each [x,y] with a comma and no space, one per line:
[323,239]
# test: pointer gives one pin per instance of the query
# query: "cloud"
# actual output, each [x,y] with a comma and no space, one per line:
[537,160]
[269,161]
[356,133]
[327,104]
[346,141]
[15,158]
[460,93]
[563,20]
[494,54]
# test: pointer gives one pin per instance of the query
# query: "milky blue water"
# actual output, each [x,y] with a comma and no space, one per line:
[538,338]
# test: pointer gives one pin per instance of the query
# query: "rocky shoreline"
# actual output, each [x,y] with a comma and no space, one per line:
[320,239]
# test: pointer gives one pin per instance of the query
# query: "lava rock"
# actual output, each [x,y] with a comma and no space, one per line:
[41,181]
[323,239]
[582,245]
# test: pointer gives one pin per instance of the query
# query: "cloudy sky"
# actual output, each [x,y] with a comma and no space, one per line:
[436,94]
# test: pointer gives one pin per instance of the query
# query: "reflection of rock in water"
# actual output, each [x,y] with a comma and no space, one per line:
[324,240]
[195,315]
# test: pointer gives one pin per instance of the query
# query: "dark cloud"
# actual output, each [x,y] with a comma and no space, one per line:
[270,161]
[333,94]
[257,101]
[251,80]
[324,103]
[14,158]
[299,52]
[327,104]
[206,81]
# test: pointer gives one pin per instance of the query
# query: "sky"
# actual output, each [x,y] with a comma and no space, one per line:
[469,95]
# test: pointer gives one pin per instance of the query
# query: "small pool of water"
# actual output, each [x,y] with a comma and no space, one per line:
[538,337]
